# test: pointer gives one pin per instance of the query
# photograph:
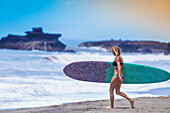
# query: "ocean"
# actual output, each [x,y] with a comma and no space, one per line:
[35,78]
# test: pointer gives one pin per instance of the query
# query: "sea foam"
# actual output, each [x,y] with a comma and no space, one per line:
[36,78]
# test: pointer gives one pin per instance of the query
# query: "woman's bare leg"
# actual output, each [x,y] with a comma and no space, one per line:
[113,84]
[123,94]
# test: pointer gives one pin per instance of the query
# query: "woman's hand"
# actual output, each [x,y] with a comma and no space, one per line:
[120,79]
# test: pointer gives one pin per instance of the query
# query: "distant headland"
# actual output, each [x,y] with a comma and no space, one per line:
[34,40]
[131,46]
[38,40]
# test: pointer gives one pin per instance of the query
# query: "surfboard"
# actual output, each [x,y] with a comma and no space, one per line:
[102,72]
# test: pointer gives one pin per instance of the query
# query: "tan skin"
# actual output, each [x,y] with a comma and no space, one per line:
[116,83]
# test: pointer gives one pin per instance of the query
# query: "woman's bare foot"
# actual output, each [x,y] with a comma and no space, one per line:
[109,107]
[132,103]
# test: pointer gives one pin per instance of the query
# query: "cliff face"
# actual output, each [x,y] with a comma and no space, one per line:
[130,46]
[34,40]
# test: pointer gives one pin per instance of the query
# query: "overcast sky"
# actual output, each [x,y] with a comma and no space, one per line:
[88,20]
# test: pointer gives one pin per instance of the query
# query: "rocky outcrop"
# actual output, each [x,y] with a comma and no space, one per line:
[34,40]
[168,49]
[130,46]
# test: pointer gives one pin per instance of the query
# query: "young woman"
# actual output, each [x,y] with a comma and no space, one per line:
[117,78]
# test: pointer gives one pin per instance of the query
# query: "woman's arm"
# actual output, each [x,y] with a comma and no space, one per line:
[119,68]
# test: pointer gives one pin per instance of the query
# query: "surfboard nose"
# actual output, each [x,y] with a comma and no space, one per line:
[71,69]
[66,69]
[91,71]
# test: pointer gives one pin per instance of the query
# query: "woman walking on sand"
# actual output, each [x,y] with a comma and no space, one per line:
[117,78]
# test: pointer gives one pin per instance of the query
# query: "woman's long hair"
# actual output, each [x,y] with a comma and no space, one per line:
[116,50]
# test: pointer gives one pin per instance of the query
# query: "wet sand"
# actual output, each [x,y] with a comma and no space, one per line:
[142,105]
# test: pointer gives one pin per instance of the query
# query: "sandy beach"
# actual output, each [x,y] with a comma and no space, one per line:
[142,105]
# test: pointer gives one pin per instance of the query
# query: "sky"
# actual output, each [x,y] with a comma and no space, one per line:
[88,20]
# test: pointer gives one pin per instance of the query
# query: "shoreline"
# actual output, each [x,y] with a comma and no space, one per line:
[142,105]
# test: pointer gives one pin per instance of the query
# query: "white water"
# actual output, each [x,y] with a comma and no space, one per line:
[28,79]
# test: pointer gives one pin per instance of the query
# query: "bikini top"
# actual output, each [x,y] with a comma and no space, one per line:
[115,64]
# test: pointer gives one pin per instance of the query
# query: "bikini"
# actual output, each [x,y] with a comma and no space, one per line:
[115,64]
